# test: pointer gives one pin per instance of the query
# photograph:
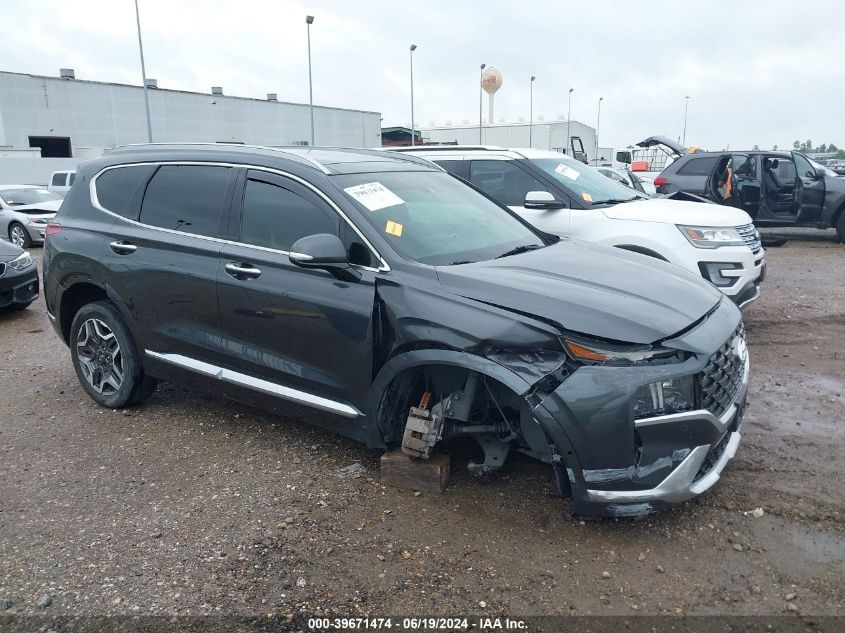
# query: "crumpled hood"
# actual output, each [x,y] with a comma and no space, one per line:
[678,212]
[590,289]
[47,207]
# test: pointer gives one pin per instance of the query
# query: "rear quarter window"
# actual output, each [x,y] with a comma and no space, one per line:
[117,189]
[698,166]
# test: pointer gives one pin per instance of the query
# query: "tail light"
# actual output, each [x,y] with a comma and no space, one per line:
[659,182]
[52,229]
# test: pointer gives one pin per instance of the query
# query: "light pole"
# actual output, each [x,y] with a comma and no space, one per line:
[686,106]
[531,114]
[480,100]
[598,125]
[143,74]
[413,48]
[568,122]
[309,20]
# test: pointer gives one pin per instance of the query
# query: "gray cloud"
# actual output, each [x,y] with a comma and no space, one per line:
[764,73]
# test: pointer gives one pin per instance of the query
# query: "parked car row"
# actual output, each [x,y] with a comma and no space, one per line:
[564,197]
[412,307]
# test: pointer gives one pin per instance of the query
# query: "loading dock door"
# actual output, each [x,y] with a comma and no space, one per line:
[52,146]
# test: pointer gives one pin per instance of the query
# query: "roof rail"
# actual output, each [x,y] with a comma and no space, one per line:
[444,148]
[235,146]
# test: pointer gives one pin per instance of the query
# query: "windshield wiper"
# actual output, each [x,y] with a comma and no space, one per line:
[520,249]
[614,201]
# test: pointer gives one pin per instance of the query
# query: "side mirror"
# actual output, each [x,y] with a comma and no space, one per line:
[323,251]
[821,172]
[543,200]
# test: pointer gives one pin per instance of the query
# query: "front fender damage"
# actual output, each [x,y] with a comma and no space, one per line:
[510,360]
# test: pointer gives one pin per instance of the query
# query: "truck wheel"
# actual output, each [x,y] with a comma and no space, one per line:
[105,357]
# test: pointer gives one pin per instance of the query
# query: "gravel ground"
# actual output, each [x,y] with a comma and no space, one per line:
[191,504]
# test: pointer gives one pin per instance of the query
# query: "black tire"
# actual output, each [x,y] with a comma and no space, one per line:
[840,226]
[106,359]
[26,240]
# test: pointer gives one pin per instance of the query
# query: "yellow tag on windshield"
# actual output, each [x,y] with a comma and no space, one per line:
[393,228]
[587,197]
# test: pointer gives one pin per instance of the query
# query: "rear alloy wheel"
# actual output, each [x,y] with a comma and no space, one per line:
[19,236]
[105,357]
[100,357]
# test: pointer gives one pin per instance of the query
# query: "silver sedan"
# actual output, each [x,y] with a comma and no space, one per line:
[25,211]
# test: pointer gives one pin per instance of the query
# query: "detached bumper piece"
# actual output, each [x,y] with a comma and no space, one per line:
[25,292]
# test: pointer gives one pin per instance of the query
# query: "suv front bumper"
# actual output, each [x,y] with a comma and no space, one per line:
[737,275]
[701,468]
[614,465]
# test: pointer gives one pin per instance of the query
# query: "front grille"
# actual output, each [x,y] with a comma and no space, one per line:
[722,376]
[751,237]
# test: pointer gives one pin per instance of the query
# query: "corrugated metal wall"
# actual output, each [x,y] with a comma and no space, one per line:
[98,115]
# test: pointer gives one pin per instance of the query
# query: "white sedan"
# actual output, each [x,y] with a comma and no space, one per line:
[25,211]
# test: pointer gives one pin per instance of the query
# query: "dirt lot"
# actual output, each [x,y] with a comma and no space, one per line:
[195,505]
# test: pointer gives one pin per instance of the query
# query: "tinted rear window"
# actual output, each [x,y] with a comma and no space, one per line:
[452,166]
[186,198]
[698,166]
[58,180]
[117,187]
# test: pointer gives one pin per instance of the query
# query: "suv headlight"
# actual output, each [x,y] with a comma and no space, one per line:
[600,352]
[665,397]
[710,237]
[21,262]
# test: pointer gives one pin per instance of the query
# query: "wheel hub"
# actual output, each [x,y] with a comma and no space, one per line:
[100,357]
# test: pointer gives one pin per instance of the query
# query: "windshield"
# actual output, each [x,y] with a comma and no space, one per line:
[433,218]
[19,197]
[586,183]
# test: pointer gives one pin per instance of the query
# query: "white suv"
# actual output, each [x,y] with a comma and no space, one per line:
[563,196]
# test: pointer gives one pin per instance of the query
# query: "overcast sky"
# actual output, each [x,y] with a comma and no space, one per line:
[758,72]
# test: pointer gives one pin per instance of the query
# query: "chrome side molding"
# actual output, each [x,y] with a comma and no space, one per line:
[257,384]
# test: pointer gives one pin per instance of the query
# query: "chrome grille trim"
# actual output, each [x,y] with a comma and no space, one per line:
[722,377]
[750,236]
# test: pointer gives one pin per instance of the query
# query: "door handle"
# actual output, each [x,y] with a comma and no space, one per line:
[123,248]
[239,271]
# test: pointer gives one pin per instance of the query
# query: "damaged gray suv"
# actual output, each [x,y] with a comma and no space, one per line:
[407,305]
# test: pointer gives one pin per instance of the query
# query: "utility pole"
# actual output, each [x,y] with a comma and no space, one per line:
[309,20]
[569,123]
[686,106]
[598,124]
[413,140]
[144,75]
[480,102]
[531,114]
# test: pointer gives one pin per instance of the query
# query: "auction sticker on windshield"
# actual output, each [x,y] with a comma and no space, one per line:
[567,172]
[374,196]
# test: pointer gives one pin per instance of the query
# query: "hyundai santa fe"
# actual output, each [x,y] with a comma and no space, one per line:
[406,306]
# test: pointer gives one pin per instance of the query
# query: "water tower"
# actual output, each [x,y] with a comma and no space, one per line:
[491,81]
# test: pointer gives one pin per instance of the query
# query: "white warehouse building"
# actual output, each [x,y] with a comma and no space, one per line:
[550,135]
[76,119]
